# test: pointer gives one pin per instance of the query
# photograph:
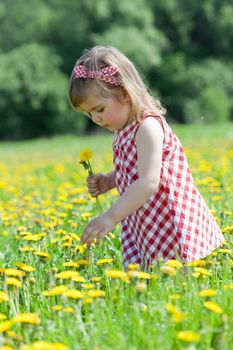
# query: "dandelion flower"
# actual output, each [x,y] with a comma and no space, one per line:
[13,272]
[44,345]
[85,155]
[4,326]
[2,317]
[214,307]
[65,275]
[189,336]
[116,274]
[58,290]
[173,263]
[168,270]
[104,261]
[11,281]
[31,318]
[207,293]
[95,293]
[74,294]
[3,297]
[25,267]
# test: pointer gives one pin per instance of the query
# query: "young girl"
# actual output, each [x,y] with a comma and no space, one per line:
[162,213]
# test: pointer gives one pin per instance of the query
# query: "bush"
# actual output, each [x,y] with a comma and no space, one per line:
[33,94]
[213,105]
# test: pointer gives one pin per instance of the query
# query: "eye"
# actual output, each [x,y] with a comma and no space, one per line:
[100,110]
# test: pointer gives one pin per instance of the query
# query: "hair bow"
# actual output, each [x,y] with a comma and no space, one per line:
[106,74]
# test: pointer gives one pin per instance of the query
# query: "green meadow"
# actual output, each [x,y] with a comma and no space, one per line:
[56,294]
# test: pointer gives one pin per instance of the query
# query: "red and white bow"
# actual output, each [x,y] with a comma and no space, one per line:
[106,74]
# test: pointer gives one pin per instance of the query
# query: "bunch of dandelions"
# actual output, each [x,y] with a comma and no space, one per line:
[85,156]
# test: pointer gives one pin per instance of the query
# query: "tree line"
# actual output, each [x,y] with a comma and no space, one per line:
[182,48]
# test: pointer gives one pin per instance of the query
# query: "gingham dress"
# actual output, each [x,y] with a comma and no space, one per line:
[175,221]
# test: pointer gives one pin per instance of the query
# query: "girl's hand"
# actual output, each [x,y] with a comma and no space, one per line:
[97,228]
[97,184]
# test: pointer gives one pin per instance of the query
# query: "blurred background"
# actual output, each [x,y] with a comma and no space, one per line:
[182,48]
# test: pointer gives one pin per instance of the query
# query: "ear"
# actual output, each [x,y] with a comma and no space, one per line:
[124,97]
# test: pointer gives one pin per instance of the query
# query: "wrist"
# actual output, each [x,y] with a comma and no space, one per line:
[110,180]
[112,216]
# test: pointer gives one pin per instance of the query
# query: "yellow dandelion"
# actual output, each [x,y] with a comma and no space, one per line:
[180,316]
[138,274]
[227,286]
[27,249]
[82,262]
[74,294]
[189,336]
[201,271]
[4,326]
[95,293]
[44,345]
[195,263]
[224,251]
[79,279]
[42,254]
[86,215]
[81,248]
[88,300]
[172,309]
[25,267]
[104,261]
[12,334]
[34,237]
[68,310]
[168,270]
[70,264]
[58,290]
[214,307]
[31,318]
[6,347]
[66,244]
[96,279]
[208,293]
[85,155]
[2,317]
[11,281]
[133,267]
[3,297]
[57,307]
[65,275]
[116,274]
[14,273]
[175,296]
[88,286]
[173,263]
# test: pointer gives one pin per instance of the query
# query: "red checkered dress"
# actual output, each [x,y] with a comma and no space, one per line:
[175,221]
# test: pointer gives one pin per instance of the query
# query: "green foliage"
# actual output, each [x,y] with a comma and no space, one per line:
[184,48]
[213,105]
[32,91]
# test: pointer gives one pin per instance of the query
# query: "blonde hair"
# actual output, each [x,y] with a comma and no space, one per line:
[132,84]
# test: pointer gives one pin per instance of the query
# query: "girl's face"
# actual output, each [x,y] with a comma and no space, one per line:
[111,114]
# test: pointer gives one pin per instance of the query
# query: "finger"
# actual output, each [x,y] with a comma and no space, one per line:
[94,194]
[100,237]
[91,237]
[87,234]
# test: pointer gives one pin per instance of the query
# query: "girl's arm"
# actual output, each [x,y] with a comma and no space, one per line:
[149,142]
[111,180]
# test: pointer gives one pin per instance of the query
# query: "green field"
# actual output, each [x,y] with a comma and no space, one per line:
[57,294]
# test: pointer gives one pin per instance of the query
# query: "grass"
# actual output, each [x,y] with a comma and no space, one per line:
[43,196]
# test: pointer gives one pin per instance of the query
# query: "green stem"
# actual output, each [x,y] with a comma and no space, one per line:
[90,172]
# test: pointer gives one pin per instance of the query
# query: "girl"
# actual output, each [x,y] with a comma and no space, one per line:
[163,215]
